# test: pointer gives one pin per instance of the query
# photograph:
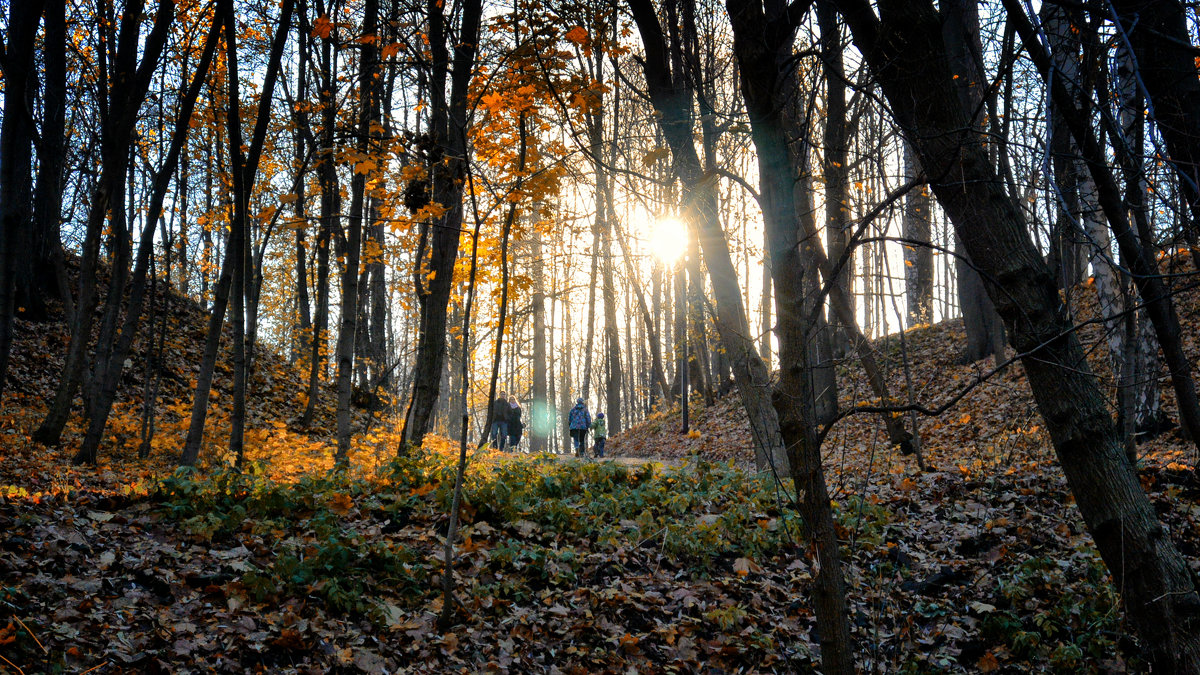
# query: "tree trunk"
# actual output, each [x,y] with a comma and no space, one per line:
[303,328]
[1157,32]
[48,261]
[243,168]
[111,352]
[155,348]
[448,129]
[206,243]
[361,374]
[918,251]
[589,341]
[1064,51]
[834,159]
[352,242]
[16,158]
[208,362]
[32,264]
[768,82]
[764,310]
[613,372]
[1066,257]
[905,50]
[820,340]
[449,604]
[960,31]
[565,382]
[1142,366]
[672,100]
[1145,272]
[681,331]
[376,294]
[239,232]
[125,88]
[540,416]
[303,335]
[331,203]
[697,336]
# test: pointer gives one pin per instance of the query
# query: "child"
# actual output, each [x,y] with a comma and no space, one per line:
[600,432]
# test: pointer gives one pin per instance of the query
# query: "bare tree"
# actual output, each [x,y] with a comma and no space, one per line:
[125,87]
[905,48]
[244,168]
[763,37]
[448,132]
[351,241]
[16,157]
[672,97]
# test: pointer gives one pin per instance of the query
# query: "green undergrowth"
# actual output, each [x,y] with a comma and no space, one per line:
[561,535]
[1038,621]
[530,525]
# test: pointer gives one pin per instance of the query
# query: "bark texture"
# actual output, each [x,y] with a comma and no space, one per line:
[763,39]
[904,48]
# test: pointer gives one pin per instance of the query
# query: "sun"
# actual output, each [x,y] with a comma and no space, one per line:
[668,238]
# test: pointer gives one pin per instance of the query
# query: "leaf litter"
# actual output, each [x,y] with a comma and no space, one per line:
[680,565]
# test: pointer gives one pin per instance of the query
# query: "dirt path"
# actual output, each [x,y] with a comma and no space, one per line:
[625,461]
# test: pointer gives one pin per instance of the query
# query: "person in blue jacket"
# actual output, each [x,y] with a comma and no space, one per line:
[578,421]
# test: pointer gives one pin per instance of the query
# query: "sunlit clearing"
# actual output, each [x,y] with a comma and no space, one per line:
[668,239]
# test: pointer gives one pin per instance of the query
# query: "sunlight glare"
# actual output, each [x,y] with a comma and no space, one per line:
[668,239]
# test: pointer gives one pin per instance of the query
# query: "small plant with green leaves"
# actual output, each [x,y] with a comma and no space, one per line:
[1064,613]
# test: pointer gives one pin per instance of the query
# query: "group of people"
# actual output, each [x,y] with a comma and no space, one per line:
[507,426]
[580,422]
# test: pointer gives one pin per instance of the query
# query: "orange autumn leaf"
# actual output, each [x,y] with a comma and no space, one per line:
[629,642]
[577,35]
[988,663]
[423,490]
[322,27]
[340,504]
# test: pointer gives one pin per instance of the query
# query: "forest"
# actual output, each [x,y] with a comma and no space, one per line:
[599,336]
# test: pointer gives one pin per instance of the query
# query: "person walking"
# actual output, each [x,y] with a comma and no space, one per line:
[499,431]
[515,425]
[579,420]
[600,433]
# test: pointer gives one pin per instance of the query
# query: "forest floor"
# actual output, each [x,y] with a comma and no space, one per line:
[673,557]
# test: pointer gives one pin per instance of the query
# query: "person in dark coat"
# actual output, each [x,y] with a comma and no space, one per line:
[499,431]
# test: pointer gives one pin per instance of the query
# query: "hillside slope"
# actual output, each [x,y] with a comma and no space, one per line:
[988,542]
[994,419]
[276,400]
